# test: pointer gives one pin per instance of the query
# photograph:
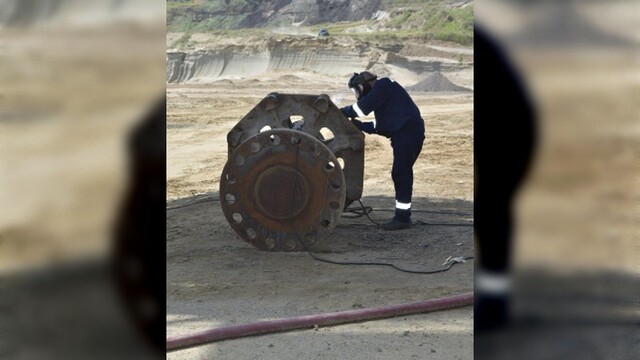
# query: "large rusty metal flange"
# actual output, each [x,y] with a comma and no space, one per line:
[282,185]
[317,116]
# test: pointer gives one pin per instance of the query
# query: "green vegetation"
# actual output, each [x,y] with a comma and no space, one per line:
[437,21]
[207,15]
[429,19]
[213,5]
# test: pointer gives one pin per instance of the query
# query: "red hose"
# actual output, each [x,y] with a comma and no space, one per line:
[310,321]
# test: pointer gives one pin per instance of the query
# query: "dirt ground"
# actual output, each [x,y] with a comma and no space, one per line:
[214,278]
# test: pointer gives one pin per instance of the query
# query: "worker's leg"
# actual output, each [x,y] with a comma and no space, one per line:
[406,149]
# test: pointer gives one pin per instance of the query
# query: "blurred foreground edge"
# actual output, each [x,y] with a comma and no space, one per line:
[533,313]
[505,137]
[138,259]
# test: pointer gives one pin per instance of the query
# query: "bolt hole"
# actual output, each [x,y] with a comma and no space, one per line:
[295,140]
[335,186]
[290,243]
[325,223]
[275,139]
[237,218]
[230,178]
[270,243]
[255,147]
[234,137]
[314,150]
[229,199]
[326,134]
[251,233]
[297,122]
[329,166]
[240,160]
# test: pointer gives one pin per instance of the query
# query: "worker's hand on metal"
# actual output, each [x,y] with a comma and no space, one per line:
[357,123]
[349,112]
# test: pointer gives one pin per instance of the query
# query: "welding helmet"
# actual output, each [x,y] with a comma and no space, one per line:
[360,83]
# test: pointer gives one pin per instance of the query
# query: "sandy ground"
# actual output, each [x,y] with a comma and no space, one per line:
[214,278]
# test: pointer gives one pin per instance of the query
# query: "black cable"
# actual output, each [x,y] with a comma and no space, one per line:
[192,203]
[364,212]
[420,222]
[357,212]
[370,209]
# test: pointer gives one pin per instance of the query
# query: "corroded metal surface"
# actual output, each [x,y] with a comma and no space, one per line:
[317,116]
[280,185]
[295,163]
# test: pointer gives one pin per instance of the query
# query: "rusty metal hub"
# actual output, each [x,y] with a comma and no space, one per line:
[281,185]
[295,162]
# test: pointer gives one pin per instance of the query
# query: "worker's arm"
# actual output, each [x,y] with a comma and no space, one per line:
[369,127]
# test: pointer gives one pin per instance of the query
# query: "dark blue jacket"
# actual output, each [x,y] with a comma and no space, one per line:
[393,108]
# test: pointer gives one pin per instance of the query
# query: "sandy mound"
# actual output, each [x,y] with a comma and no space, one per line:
[436,82]
[291,78]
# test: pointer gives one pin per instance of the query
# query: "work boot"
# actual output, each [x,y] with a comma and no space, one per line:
[396,224]
[401,220]
[492,298]
[491,312]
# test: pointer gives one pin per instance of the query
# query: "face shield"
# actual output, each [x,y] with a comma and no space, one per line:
[360,83]
[356,92]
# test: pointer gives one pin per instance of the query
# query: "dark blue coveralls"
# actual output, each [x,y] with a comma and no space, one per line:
[398,118]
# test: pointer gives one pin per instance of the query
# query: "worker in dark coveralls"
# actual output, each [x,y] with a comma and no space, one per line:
[398,118]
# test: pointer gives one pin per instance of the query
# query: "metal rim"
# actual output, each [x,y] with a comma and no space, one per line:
[281,185]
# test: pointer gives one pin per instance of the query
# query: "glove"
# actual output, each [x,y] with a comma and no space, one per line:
[348,112]
[364,126]
[357,123]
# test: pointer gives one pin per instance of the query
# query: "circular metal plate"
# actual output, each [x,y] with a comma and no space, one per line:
[281,186]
